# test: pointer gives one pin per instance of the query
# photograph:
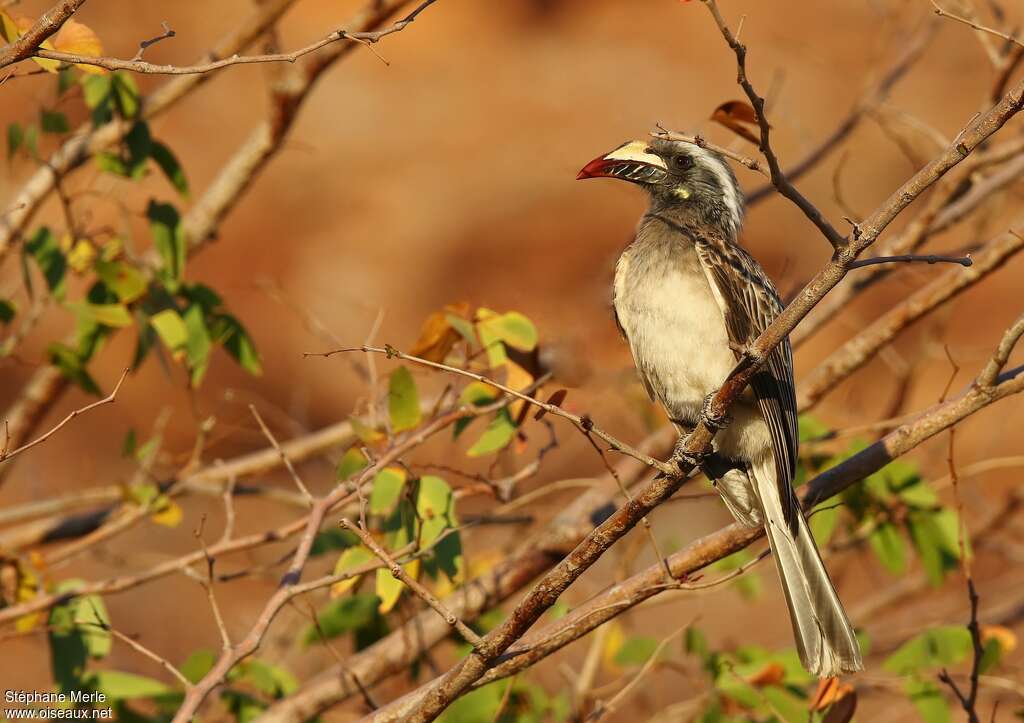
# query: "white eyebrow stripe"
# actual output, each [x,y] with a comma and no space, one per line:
[730,194]
[636,151]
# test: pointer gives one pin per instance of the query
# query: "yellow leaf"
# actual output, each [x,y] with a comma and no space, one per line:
[169,514]
[1006,637]
[79,39]
[81,256]
[389,589]
[518,379]
[350,559]
[613,642]
[8,28]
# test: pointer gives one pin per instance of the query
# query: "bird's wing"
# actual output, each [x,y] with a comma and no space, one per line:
[750,303]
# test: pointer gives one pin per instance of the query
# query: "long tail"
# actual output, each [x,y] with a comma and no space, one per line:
[824,636]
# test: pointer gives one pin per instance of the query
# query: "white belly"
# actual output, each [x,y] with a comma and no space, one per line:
[676,331]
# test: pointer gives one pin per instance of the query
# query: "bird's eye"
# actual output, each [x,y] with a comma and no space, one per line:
[683,162]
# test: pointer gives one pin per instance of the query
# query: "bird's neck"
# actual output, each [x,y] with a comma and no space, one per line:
[707,216]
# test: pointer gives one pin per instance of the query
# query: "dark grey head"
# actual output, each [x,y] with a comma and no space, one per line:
[678,176]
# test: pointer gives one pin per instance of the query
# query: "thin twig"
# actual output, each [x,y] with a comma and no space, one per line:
[983,28]
[908,258]
[421,592]
[141,66]
[109,399]
[167,33]
[583,424]
[284,457]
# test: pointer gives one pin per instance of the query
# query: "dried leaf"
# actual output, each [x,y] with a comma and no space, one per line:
[556,399]
[438,335]
[736,115]
[79,39]
[843,709]
[771,674]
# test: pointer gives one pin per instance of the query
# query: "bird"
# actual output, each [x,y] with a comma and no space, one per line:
[689,301]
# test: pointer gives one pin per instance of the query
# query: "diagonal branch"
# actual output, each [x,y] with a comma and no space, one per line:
[706,550]
[47,24]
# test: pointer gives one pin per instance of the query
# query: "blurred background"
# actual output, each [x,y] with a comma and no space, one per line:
[447,175]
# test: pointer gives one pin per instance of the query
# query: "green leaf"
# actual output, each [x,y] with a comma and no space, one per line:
[139,143]
[268,679]
[123,279]
[812,428]
[928,699]
[355,614]
[32,141]
[353,461]
[95,89]
[229,332]
[933,648]
[43,247]
[636,651]
[463,326]
[350,559]
[497,436]
[15,137]
[934,534]
[117,685]
[403,400]
[198,344]
[478,706]
[387,487]
[126,94]
[991,654]
[165,226]
[7,311]
[65,79]
[113,315]
[171,328]
[435,507]
[888,545]
[197,665]
[332,539]
[920,494]
[168,163]
[512,328]
[72,366]
[52,121]
[110,162]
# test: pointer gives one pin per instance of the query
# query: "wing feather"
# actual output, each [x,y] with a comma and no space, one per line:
[750,303]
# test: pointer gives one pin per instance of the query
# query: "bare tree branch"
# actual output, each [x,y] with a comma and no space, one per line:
[46,25]
[139,66]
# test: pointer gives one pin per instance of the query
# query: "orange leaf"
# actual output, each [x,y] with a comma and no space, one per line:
[79,39]
[830,691]
[771,674]
[736,115]
[1007,639]
[437,336]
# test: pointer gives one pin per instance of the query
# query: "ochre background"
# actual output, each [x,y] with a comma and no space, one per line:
[448,176]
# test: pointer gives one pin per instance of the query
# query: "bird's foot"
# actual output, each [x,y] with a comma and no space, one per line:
[713,420]
[684,459]
[744,352]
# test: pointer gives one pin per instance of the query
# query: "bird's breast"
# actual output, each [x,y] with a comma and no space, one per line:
[675,326]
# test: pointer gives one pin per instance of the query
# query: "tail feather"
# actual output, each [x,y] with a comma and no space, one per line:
[825,639]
